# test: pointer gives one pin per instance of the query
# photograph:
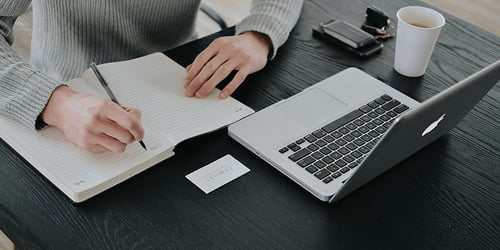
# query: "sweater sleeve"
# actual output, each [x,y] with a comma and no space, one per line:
[24,91]
[274,18]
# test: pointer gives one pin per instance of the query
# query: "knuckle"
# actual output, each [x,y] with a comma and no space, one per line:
[224,69]
[240,77]
[245,55]
[195,84]
[233,47]
[206,88]
[201,57]
[210,66]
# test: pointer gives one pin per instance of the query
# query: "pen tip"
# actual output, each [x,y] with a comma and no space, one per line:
[143,145]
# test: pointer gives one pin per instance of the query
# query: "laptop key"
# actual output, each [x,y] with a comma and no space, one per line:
[299,154]
[392,114]
[341,142]
[328,180]
[343,120]
[380,111]
[355,133]
[336,134]
[333,146]
[345,170]
[328,138]
[351,146]
[373,104]
[391,104]
[344,130]
[319,133]
[359,142]
[313,147]
[300,141]
[325,150]
[373,114]
[306,161]
[332,168]
[283,150]
[340,163]
[320,143]
[336,175]
[327,159]
[359,122]
[386,97]
[344,151]
[311,169]
[348,137]
[384,118]
[356,154]
[336,155]
[317,155]
[401,108]
[351,126]
[295,148]
[348,158]
[310,138]
[364,150]
[322,174]
[380,100]
[365,109]
[320,164]
[366,118]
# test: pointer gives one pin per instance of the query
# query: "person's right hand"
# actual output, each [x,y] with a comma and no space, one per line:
[93,123]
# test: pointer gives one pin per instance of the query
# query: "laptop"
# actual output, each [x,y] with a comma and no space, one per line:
[340,133]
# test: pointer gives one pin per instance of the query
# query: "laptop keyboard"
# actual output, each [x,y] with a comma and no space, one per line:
[336,148]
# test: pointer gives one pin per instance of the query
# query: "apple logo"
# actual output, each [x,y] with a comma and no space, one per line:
[433,125]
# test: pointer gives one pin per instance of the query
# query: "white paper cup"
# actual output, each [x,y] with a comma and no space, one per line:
[417,33]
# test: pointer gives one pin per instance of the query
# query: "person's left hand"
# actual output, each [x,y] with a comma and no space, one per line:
[246,53]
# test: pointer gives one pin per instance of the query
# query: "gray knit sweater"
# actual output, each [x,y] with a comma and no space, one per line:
[69,34]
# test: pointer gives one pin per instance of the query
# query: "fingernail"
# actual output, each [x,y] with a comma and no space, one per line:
[223,94]
[199,95]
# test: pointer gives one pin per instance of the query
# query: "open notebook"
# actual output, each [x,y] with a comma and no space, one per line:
[153,84]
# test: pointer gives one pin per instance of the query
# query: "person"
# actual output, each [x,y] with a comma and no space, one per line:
[68,35]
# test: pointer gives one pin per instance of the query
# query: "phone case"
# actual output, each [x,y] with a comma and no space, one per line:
[364,51]
[348,33]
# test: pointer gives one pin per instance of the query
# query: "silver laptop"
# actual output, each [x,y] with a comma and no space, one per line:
[342,132]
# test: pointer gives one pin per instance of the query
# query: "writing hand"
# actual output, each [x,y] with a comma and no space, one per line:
[93,123]
[245,53]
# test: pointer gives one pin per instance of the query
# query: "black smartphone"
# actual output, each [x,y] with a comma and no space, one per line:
[348,33]
[348,37]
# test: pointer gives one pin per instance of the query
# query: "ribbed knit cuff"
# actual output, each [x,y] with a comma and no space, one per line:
[27,107]
[13,8]
[266,25]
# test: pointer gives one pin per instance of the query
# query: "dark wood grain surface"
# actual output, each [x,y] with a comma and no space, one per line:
[446,196]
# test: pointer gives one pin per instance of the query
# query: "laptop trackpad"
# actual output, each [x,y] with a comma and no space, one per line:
[312,106]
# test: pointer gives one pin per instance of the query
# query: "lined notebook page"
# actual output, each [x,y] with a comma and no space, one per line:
[72,169]
[155,85]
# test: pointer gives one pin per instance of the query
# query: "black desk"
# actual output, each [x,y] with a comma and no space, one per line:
[445,196]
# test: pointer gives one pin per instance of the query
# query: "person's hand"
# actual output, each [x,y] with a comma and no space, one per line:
[246,53]
[93,123]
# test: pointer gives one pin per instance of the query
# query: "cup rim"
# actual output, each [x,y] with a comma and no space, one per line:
[441,18]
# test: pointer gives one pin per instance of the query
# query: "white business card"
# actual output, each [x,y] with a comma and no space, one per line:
[217,173]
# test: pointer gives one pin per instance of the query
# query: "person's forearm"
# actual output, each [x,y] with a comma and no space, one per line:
[24,91]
